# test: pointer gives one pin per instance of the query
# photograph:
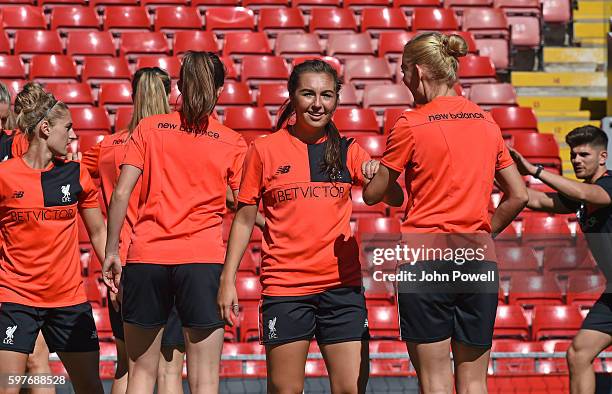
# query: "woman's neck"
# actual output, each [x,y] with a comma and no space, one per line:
[434,91]
[38,155]
[306,136]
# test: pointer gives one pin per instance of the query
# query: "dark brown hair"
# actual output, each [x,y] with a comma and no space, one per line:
[587,135]
[198,89]
[333,159]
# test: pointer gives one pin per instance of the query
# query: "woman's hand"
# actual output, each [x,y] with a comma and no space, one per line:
[370,168]
[227,302]
[111,272]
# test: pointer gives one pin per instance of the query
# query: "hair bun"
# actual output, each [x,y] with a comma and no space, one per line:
[455,46]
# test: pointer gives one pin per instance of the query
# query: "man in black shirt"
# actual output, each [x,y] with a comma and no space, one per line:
[591,200]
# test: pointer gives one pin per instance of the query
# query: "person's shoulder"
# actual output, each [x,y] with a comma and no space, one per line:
[115,139]
[171,120]
[10,164]
[229,135]
[271,141]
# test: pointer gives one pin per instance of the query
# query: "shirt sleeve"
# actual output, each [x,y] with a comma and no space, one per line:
[88,198]
[252,177]
[503,155]
[20,144]
[570,204]
[235,170]
[90,160]
[400,146]
[135,152]
[606,183]
[356,155]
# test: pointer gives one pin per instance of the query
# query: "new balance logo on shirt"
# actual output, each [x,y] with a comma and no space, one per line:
[283,170]
[10,332]
[18,194]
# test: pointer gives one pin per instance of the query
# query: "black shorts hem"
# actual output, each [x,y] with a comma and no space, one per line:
[141,325]
[55,350]
[334,341]
[596,329]
[22,351]
[426,340]
[205,326]
[472,344]
[285,341]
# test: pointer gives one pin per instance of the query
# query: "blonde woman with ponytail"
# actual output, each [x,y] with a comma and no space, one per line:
[41,289]
[150,90]
[184,160]
[451,152]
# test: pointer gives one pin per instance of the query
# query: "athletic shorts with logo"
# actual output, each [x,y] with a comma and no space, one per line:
[150,291]
[65,329]
[173,332]
[333,316]
[599,317]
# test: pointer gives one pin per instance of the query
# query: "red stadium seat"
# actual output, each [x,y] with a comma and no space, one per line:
[22,17]
[52,68]
[102,69]
[358,6]
[170,19]
[378,229]
[74,18]
[148,43]
[102,322]
[229,19]
[528,289]
[557,11]
[493,95]
[570,259]
[546,231]
[277,20]
[14,85]
[390,367]
[584,288]
[517,258]
[348,97]
[90,43]
[391,44]
[34,42]
[249,263]
[205,4]
[71,93]
[248,287]
[332,61]
[247,118]
[204,41]
[461,6]
[102,4]
[438,19]
[525,31]
[251,43]
[486,22]
[155,4]
[235,94]
[92,290]
[360,72]
[376,20]
[263,69]
[251,135]
[230,68]
[297,44]
[88,139]
[272,95]
[356,120]
[514,366]
[249,323]
[555,321]
[539,148]
[409,6]
[122,118]
[126,18]
[373,144]
[391,115]
[377,292]
[383,321]
[519,7]
[171,64]
[497,49]
[84,119]
[476,69]
[382,97]
[510,322]
[332,20]
[308,5]
[265,4]
[51,4]
[5,45]
[347,46]
[12,67]
[515,118]
[112,95]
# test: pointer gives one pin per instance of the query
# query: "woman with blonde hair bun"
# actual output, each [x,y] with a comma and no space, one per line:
[451,151]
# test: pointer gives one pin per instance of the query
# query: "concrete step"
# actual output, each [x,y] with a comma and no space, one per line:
[593,10]
[550,103]
[538,83]
[557,59]
[561,129]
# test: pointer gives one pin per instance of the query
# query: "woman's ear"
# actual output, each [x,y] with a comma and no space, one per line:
[44,128]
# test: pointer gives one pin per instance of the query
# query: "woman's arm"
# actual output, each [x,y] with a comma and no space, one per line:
[240,234]
[111,269]
[514,200]
[383,185]
[94,223]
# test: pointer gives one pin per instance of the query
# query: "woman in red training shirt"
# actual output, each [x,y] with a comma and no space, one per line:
[186,160]
[451,152]
[40,285]
[310,268]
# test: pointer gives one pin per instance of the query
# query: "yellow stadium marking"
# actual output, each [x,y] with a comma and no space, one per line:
[558,79]
[584,115]
[560,129]
[593,10]
[550,103]
[590,29]
[574,55]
